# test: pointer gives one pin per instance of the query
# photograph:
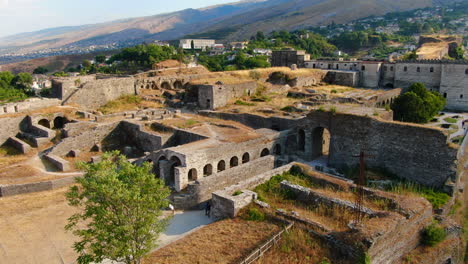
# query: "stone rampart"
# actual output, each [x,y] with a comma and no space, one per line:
[91,91]
[11,126]
[28,105]
[414,152]
[226,204]
[16,189]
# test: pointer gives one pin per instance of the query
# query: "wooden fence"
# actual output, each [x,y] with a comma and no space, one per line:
[257,253]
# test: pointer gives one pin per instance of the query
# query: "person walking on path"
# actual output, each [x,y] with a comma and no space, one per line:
[171,207]
[208,208]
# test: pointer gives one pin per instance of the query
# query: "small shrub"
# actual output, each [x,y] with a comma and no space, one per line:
[333,110]
[334,91]
[255,215]
[236,193]
[320,109]
[45,92]
[77,82]
[254,75]
[364,259]
[433,235]
[289,109]
[387,108]
[376,113]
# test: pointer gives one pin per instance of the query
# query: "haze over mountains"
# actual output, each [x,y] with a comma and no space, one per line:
[236,21]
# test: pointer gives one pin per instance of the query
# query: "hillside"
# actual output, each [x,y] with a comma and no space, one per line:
[236,21]
[52,63]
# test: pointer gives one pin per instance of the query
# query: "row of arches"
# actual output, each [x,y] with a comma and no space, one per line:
[234,161]
[58,123]
[166,85]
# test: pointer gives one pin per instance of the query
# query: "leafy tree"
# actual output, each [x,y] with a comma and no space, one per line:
[40,70]
[23,81]
[101,58]
[410,56]
[192,45]
[86,63]
[417,105]
[6,77]
[121,205]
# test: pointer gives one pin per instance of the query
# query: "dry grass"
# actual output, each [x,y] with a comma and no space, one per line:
[264,73]
[299,247]
[225,241]
[10,156]
[127,103]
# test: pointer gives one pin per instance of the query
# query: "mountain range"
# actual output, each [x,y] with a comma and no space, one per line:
[234,21]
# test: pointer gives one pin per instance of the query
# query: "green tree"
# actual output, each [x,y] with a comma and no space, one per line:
[417,105]
[192,45]
[86,64]
[6,78]
[120,210]
[101,58]
[23,81]
[40,70]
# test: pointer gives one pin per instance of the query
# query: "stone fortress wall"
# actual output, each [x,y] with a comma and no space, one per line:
[450,78]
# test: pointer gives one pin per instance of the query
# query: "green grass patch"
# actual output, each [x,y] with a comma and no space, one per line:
[436,198]
[254,214]
[237,193]
[450,120]
[458,140]
[240,102]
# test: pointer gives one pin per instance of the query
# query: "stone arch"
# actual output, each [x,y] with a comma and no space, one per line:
[178,84]
[277,149]
[166,86]
[192,175]
[175,162]
[466,71]
[301,139]
[207,170]
[154,86]
[431,69]
[389,85]
[265,152]
[405,68]
[245,157]
[44,122]
[418,69]
[321,138]
[234,162]
[157,167]
[221,165]
[59,122]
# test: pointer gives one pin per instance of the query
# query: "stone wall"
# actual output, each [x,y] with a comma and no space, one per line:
[218,95]
[345,78]
[92,91]
[16,189]
[408,73]
[28,105]
[11,126]
[454,86]
[413,152]
[201,190]
[369,74]
[254,121]
[83,141]
[225,204]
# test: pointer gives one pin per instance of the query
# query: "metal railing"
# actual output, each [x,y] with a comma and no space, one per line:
[257,253]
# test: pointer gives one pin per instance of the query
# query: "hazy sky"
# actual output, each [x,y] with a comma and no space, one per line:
[18,16]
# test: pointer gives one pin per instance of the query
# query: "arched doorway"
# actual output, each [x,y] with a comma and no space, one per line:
[277,149]
[320,142]
[166,86]
[301,140]
[192,175]
[59,122]
[265,152]
[208,170]
[234,162]
[44,123]
[245,157]
[159,164]
[178,85]
[175,162]
[221,166]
